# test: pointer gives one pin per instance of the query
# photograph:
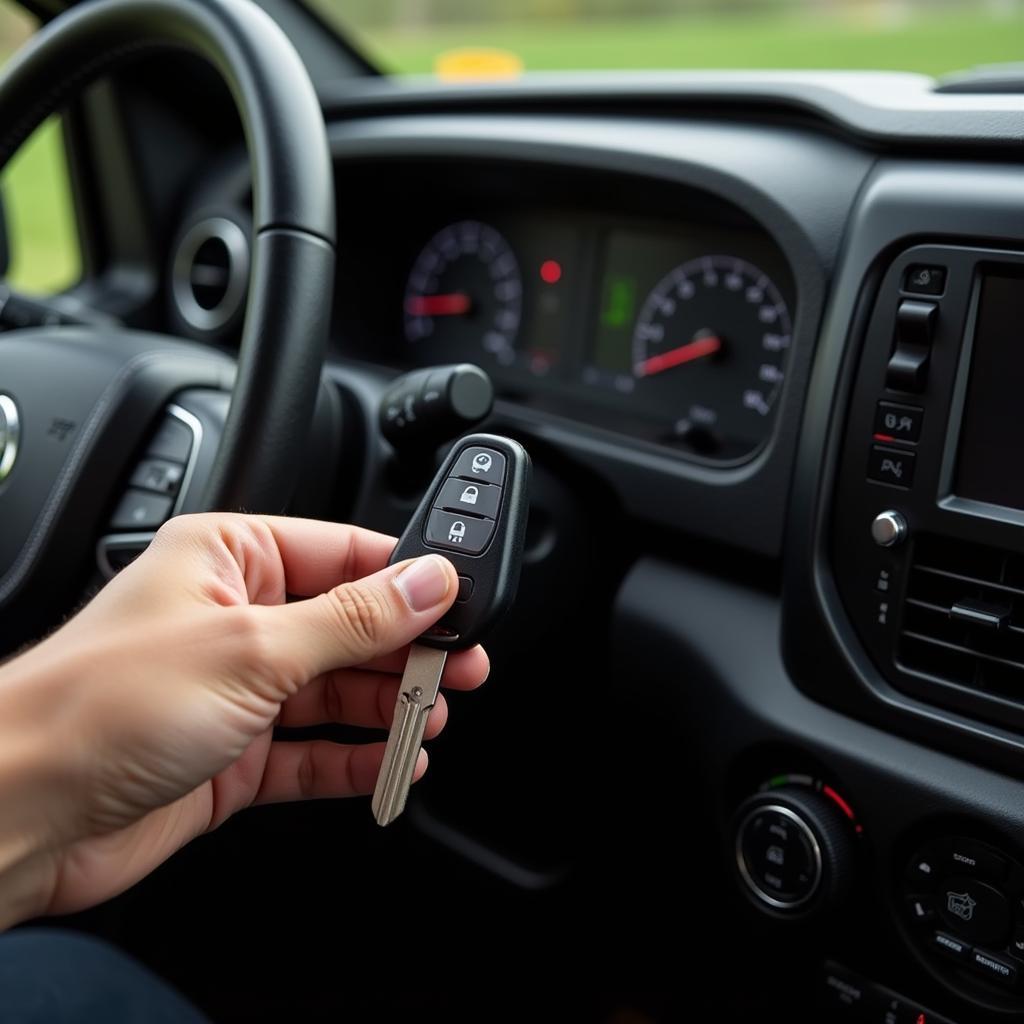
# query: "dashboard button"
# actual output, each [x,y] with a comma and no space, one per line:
[921,907]
[915,327]
[968,857]
[1017,942]
[926,865]
[951,946]
[477,499]
[898,422]
[993,967]
[891,466]
[140,510]
[484,464]
[974,909]
[458,533]
[924,280]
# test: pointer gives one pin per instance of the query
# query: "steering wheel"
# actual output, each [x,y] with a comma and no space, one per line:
[76,404]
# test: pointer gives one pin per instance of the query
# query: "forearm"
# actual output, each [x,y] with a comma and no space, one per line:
[34,784]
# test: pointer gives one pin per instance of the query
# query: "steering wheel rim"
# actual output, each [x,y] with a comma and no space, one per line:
[287,314]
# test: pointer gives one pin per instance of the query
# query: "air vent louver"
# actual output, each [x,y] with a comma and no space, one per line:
[963,616]
[210,274]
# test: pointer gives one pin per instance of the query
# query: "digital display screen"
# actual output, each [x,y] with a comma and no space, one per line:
[990,466]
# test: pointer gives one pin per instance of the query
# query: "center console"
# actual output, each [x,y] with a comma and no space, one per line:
[927,542]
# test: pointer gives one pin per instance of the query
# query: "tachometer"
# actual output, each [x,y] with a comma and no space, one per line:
[710,344]
[464,296]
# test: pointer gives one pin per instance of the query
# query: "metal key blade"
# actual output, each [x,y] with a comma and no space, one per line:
[416,696]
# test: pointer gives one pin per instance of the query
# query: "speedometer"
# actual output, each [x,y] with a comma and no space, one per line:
[709,346]
[464,296]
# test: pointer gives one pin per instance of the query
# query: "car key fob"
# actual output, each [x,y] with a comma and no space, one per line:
[474,513]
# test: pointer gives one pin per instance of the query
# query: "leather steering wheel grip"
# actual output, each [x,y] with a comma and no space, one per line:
[291,284]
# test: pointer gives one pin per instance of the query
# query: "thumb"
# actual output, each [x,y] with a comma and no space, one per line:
[363,619]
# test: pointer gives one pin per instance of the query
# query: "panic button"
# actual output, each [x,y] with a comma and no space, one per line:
[891,466]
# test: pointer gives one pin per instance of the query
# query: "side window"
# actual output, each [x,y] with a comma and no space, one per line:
[41,230]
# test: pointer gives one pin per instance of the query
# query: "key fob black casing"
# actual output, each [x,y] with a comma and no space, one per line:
[474,514]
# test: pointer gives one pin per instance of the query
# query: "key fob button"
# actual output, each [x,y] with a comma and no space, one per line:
[458,533]
[478,499]
[483,464]
[466,592]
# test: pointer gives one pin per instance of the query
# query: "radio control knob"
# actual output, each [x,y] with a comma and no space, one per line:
[889,529]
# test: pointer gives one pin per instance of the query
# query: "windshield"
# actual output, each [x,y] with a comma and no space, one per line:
[501,38]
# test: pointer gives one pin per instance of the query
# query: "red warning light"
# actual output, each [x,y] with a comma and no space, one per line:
[551,271]
[921,1019]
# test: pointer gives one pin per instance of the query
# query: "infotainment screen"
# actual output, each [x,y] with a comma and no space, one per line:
[990,462]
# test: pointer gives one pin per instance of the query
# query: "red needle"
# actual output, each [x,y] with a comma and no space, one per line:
[451,304]
[705,346]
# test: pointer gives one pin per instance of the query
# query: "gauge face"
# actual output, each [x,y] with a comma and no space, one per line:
[709,347]
[464,297]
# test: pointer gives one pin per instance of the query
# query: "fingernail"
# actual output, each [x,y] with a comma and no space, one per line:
[424,584]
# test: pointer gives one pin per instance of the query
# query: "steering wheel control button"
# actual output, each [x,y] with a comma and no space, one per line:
[158,475]
[924,280]
[974,910]
[173,441]
[888,529]
[778,857]
[480,464]
[994,967]
[892,466]
[458,532]
[140,510]
[915,328]
[465,589]
[951,946]
[477,499]
[898,422]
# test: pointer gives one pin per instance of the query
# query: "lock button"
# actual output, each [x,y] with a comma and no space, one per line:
[467,534]
[478,499]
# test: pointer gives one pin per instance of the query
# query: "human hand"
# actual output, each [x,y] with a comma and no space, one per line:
[153,708]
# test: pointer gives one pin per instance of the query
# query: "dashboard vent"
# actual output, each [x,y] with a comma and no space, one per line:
[210,274]
[963,616]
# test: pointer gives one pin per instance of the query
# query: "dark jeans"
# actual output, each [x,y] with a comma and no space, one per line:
[53,977]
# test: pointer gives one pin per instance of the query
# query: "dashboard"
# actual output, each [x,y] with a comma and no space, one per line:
[747,327]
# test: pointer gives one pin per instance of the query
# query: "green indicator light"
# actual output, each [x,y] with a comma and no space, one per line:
[777,780]
[620,302]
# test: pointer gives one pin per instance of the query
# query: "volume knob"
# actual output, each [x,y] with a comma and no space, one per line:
[889,529]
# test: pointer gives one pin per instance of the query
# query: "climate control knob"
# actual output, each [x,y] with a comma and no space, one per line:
[794,850]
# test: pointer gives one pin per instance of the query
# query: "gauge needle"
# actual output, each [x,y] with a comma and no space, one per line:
[705,345]
[449,304]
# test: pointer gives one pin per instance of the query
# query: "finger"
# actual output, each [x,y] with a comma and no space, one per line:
[318,769]
[318,556]
[357,621]
[463,670]
[351,697]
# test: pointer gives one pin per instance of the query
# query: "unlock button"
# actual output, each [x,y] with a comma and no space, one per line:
[478,499]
